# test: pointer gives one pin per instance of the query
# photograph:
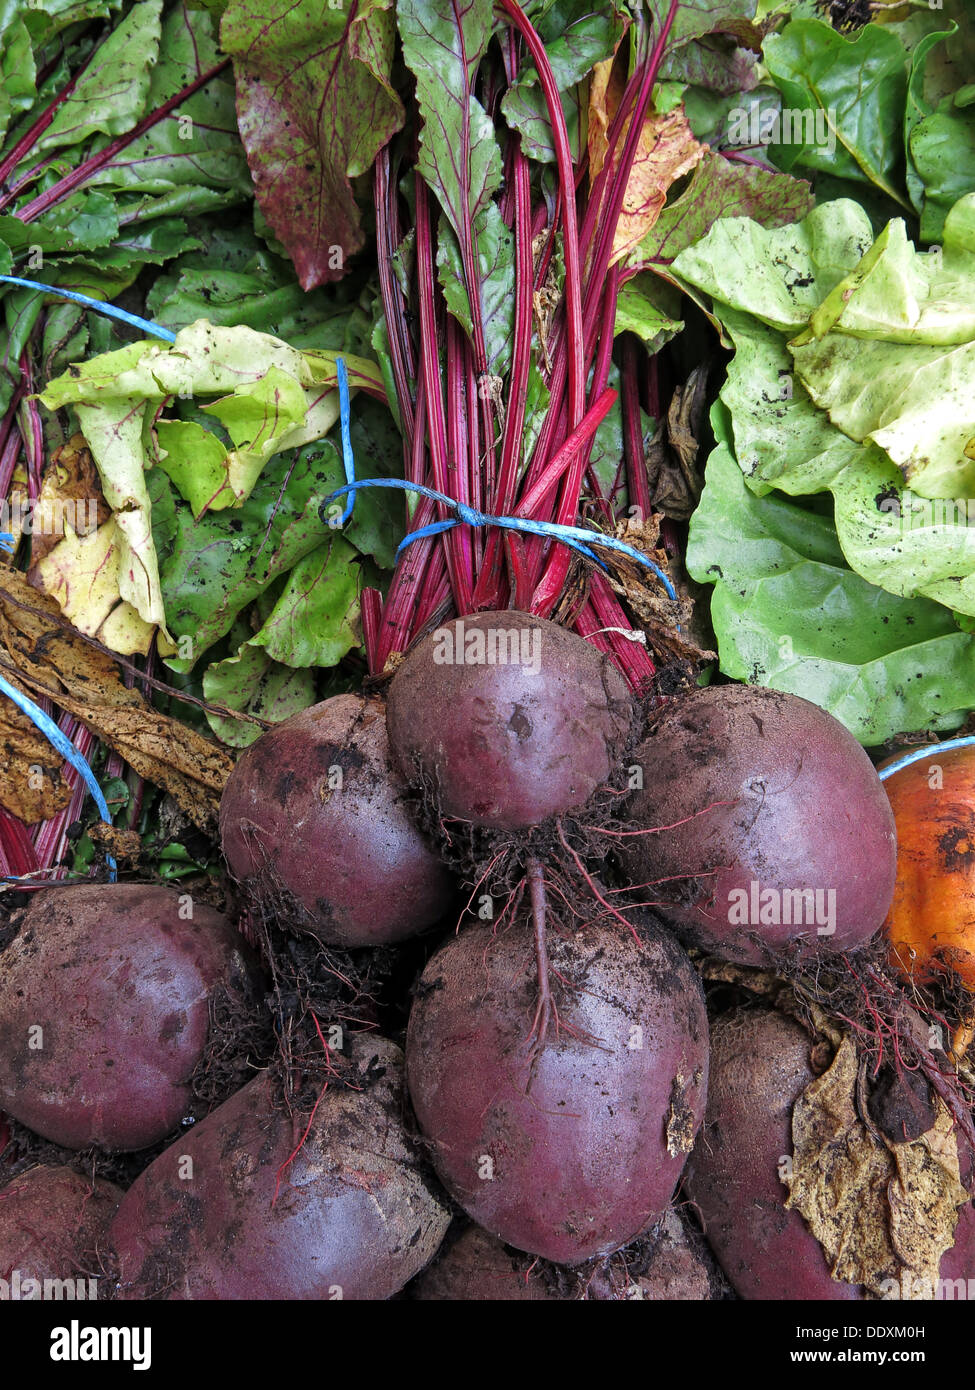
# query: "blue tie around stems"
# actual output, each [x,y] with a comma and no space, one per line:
[578,538]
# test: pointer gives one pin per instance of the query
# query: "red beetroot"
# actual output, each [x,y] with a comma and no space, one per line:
[570,1148]
[775,825]
[508,718]
[759,1068]
[104,1011]
[223,1214]
[52,1225]
[314,808]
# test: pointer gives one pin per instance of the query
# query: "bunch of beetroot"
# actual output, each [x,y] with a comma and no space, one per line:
[477,901]
[560,846]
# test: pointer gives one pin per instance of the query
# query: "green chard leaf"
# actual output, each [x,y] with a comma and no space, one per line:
[197,145]
[789,614]
[854,91]
[459,156]
[113,89]
[577,35]
[252,682]
[214,566]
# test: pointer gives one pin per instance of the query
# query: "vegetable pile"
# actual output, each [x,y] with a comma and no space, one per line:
[465,926]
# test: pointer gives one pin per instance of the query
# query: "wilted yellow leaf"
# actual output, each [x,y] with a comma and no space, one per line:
[82,574]
[667,149]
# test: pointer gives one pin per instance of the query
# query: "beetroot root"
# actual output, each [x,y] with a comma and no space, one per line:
[104,1011]
[508,719]
[52,1223]
[223,1214]
[313,814]
[566,1147]
[776,827]
[759,1068]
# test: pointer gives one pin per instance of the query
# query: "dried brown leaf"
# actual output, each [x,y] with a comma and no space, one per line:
[881,1211]
[51,658]
[31,785]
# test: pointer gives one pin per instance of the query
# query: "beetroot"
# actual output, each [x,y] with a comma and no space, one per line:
[566,1147]
[776,827]
[759,1068]
[476,1268]
[507,719]
[223,1215]
[52,1224]
[313,821]
[104,1011]
[668,1265]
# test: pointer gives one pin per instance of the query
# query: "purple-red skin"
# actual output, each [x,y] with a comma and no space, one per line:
[52,1223]
[759,1068]
[222,1214]
[577,1164]
[477,1268]
[352,857]
[759,787]
[959,1262]
[118,979]
[508,745]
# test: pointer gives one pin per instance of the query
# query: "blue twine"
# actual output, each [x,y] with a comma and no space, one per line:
[578,538]
[109,310]
[65,747]
[34,713]
[930,750]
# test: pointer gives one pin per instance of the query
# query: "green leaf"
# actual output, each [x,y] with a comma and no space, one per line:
[855,88]
[17,67]
[780,275]
[44,24]
[213,567]
[496,264]
[115,396]
[918,106]
[525,110]
[253,683]
[315,106]
[694,18]
[577,35]
[112,91]
[895,359]
[787,613]
[942,150]
[84,222]
[196,460]
[781,438]
[715,62]
[718,188]
[648,307]
[459,157]
[197,145]
[315,620]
